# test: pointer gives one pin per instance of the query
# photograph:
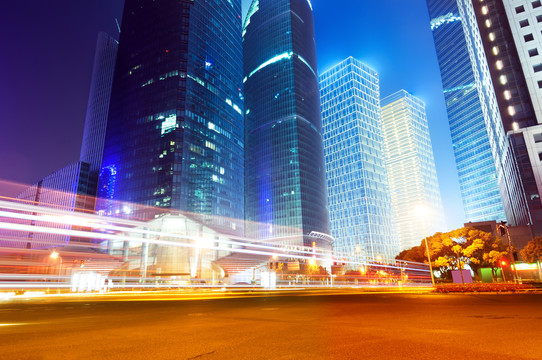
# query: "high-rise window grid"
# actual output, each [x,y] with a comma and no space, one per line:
[359,202]
[411,169]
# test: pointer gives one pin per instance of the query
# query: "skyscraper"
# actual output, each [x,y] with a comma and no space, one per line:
[359,200]
[98,107]
[414,187]
[174,136]
[512,40]
[488,177]
[284,165]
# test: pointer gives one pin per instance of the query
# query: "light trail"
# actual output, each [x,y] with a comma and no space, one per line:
[135,232]
[98,223]
[141,231]
[199,241]
[91,235]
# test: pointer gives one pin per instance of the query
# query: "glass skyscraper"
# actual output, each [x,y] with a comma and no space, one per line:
[415,192]
[175,130]
[284,165]
[488,178]
[98,107]
[359,200]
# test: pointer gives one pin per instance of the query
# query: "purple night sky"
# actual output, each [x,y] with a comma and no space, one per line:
[48,51]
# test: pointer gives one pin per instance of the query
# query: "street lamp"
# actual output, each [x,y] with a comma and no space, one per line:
[55,255]
[421,210]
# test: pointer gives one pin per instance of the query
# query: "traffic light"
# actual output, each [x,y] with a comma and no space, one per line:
[501,228]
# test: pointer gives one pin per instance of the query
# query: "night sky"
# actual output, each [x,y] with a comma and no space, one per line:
[48,51]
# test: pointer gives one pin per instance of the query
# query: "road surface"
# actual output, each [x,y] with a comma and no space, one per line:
[304,325]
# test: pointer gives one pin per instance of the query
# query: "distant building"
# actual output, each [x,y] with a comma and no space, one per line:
[414,188]
[98,107]
[285,185]
[65,189]
[362,220]
[490,185]
[174,138]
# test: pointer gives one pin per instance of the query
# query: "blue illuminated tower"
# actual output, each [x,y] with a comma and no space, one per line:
[362,221]
[284,166]
[488,177]
[174,137]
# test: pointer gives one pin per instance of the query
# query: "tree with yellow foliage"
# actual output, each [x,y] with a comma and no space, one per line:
[455,249]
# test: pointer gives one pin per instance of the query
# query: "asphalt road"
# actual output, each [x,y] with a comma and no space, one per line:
[297,326]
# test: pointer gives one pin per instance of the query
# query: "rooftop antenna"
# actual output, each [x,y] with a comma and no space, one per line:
[118,26]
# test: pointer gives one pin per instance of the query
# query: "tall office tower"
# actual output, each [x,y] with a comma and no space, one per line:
[488,176]
[98,107]
[174,137]
[414,188]
[359,200]
[65,189]
[284,166]
[511,35]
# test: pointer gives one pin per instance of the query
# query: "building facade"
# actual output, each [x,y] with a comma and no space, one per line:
[525,23]
[174,137]
[66,189]
[489,181]
[358,190]
[414,188]
[98,107]
[511,39]
[285,188]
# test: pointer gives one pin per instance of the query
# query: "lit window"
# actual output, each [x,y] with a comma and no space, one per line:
[507,95]
[488,23]
[503,80]
[495,50]
[484,10]
[491,36]
[210,145]
[499,64]
[511,111]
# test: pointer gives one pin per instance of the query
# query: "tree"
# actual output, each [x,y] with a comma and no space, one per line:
[457,248]
[415,254]
[533,251]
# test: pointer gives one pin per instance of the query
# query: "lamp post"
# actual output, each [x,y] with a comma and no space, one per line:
[55,255]
[421,210]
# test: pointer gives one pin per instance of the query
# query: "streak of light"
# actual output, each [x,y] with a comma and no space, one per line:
[93,223]
[90,235]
